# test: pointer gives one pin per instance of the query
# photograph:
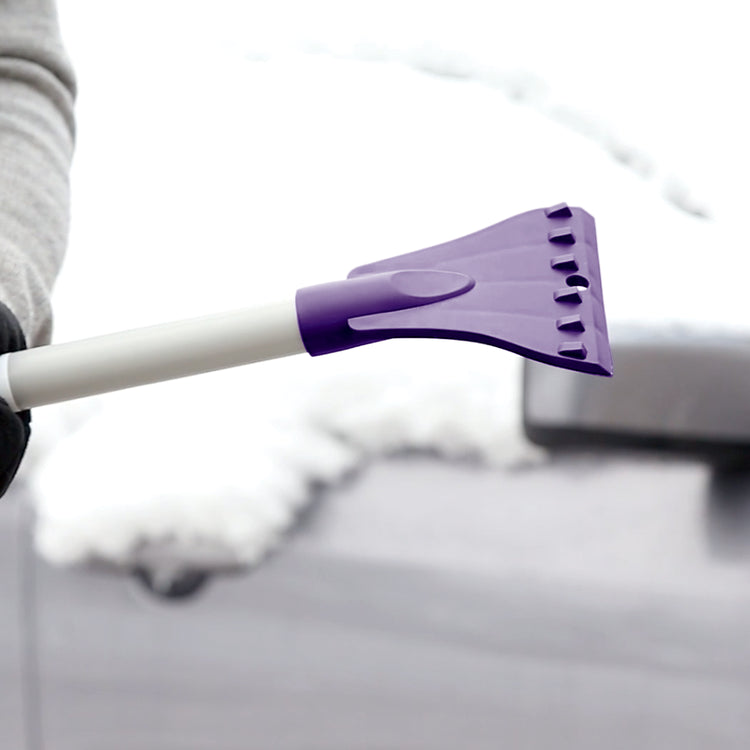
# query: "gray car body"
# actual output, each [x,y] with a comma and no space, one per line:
[580,602]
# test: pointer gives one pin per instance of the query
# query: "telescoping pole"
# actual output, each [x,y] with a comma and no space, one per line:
[49,374]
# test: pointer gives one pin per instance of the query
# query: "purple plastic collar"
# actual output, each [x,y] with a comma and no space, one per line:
[324,311]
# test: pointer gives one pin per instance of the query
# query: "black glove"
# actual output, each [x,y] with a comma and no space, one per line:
[14,428]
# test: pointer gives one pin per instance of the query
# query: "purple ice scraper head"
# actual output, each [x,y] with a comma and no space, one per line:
[530,284]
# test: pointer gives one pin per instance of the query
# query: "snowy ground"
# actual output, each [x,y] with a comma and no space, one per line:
[233,155]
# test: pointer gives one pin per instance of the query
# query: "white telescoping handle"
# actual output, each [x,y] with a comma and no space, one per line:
[49,374]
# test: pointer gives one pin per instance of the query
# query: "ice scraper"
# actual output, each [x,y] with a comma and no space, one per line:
[530,284]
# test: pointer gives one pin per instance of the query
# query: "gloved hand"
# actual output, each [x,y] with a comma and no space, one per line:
[14,428]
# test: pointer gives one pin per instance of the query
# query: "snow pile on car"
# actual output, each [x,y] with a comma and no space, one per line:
[295,147]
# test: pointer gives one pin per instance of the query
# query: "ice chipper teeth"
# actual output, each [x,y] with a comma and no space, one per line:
[562,236]
[571,323]
[579,285]
[568,295]
[559,211]
[565,262]
[573,349]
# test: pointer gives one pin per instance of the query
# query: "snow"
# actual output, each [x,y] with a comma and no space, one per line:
[233,154]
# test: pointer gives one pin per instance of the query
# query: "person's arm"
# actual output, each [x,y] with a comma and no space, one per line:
[37,90]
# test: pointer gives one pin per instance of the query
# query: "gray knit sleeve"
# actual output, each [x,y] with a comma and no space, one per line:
[37,90]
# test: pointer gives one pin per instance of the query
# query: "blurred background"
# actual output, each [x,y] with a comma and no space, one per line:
[367,550]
